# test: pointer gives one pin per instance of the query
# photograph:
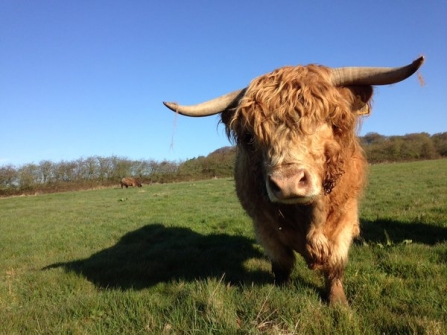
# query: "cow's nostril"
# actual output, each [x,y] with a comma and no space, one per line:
[303,180]
[274,186]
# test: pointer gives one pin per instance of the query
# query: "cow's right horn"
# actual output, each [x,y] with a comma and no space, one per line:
[345,76]
[214,106]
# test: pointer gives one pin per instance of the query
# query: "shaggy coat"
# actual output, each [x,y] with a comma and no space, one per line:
[294,122]
[129,181]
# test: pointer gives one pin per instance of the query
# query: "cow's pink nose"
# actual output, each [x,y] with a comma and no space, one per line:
[293,184]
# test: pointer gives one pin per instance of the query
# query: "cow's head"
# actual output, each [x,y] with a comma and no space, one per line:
[297,123]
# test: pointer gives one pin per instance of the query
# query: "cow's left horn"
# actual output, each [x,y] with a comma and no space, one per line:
[214,106]
[345,76]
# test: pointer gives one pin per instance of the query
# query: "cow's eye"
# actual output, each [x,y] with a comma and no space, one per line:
[248,138]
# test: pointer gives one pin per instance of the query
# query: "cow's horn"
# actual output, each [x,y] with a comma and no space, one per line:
[210,107]
[374,75]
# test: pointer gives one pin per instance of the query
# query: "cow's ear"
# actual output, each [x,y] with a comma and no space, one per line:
[361,99]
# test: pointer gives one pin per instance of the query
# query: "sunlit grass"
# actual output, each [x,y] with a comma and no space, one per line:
[182,259]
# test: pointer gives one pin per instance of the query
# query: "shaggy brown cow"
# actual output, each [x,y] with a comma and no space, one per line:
[129,181]
[300,169]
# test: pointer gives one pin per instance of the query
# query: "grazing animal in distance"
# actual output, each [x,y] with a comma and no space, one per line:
[130,181]
[299,168]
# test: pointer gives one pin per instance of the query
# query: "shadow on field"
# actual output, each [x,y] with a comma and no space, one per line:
[398,232]
[154,254]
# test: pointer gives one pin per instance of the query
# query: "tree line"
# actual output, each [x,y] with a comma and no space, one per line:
[410,147]
[97,171]
[85,173]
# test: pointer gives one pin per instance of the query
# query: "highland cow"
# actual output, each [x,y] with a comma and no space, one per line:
[299,169]
[129,181]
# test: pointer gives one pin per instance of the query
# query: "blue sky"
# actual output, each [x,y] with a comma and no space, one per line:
[84,78]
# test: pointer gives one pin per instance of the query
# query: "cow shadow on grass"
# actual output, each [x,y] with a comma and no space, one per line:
[390,231]
[155,254]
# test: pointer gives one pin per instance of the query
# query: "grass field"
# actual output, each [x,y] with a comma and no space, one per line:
[182,259]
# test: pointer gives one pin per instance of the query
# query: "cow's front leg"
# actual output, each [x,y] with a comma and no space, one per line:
[334,287]
[341,238]
[282,264]
[281,256]
[317,244]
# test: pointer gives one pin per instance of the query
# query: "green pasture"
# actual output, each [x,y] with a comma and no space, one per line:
[182,259]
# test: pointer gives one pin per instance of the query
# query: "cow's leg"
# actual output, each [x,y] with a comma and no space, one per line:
[341,239]
[281,256]
[317,244]
[282,265]
[334,287]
